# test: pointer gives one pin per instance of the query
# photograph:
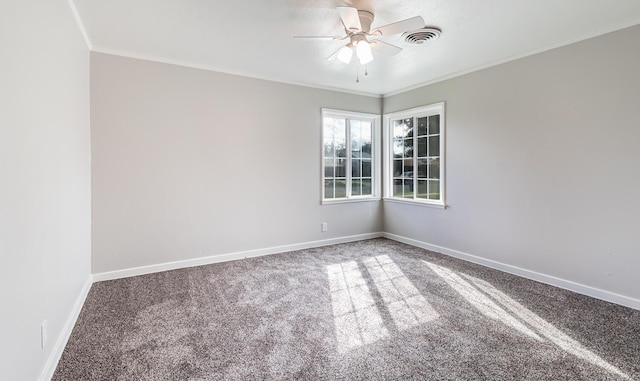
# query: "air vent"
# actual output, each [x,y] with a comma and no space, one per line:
[421,36]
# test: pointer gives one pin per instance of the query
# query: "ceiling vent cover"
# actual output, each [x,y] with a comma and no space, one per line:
[421,36]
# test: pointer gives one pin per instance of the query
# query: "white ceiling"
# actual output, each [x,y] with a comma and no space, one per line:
[254,37]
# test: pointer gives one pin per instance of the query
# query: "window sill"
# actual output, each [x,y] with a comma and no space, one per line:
[349,200]
[438,205]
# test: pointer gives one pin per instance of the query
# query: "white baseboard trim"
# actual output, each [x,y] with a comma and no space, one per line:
[63,337]
[125,273]
[533,275]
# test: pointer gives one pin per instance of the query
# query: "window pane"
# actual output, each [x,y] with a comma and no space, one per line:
[365,130]
[328,148]
[434,189]
[328,167]
[341,170]
[422,168]
[366,168]
[339,127]
[365,139]
[398,128]
[355,187]
[366,187]
[366,149]
[355,138]
[341,149]
[397,187]
[328,189]
[340,132]
[434,124]
[398,147]
[422,189]
[434,145]
[408,168]
[355,168]
[422,126]
[434,168]
[422,147]
[397,168]
[408,128]
[408,188]
[329,125]
[408,148]
[341,188]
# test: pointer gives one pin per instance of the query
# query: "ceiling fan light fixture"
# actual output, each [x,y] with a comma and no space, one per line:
[357,27]
[363,50]
[345,54]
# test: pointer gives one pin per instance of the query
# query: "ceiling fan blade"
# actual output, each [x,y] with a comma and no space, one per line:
[328,38]
[400,26]
[383,49]
[350,18]
[334,55]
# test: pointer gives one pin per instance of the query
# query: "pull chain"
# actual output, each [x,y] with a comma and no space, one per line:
[357,73]
[366,70]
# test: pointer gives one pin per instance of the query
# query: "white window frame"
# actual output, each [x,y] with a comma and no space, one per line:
[433,109]
[375,155]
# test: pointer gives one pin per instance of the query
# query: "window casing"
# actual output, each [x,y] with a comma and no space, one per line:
[350,156]
[415,151]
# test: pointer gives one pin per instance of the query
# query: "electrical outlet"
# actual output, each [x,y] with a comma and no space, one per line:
[325,227]
[43,334]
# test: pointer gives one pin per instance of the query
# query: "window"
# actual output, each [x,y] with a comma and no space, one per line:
[350,151]
[414,166]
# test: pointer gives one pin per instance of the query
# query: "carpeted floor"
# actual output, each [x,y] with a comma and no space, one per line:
[368,310]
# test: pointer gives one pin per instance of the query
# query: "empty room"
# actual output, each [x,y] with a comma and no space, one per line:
[321,190]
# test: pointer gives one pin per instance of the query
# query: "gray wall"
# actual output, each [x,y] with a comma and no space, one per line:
[188,163]
[45,179]
[543,165]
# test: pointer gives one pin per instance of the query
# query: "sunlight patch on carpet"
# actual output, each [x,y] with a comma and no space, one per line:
[357,319]
[495,304]
[487,307]
[545,328]
[406,305]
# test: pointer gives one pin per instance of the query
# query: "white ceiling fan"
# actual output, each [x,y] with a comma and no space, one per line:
[357,26]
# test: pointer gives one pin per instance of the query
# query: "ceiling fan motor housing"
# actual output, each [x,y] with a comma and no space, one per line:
[366,19]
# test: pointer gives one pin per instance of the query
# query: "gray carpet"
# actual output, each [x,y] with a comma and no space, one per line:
[368,310]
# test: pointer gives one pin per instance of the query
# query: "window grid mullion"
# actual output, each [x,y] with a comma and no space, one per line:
[415,155]
[348,153]
[335,164]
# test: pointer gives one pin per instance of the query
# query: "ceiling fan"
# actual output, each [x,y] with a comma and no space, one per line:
[357,26]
